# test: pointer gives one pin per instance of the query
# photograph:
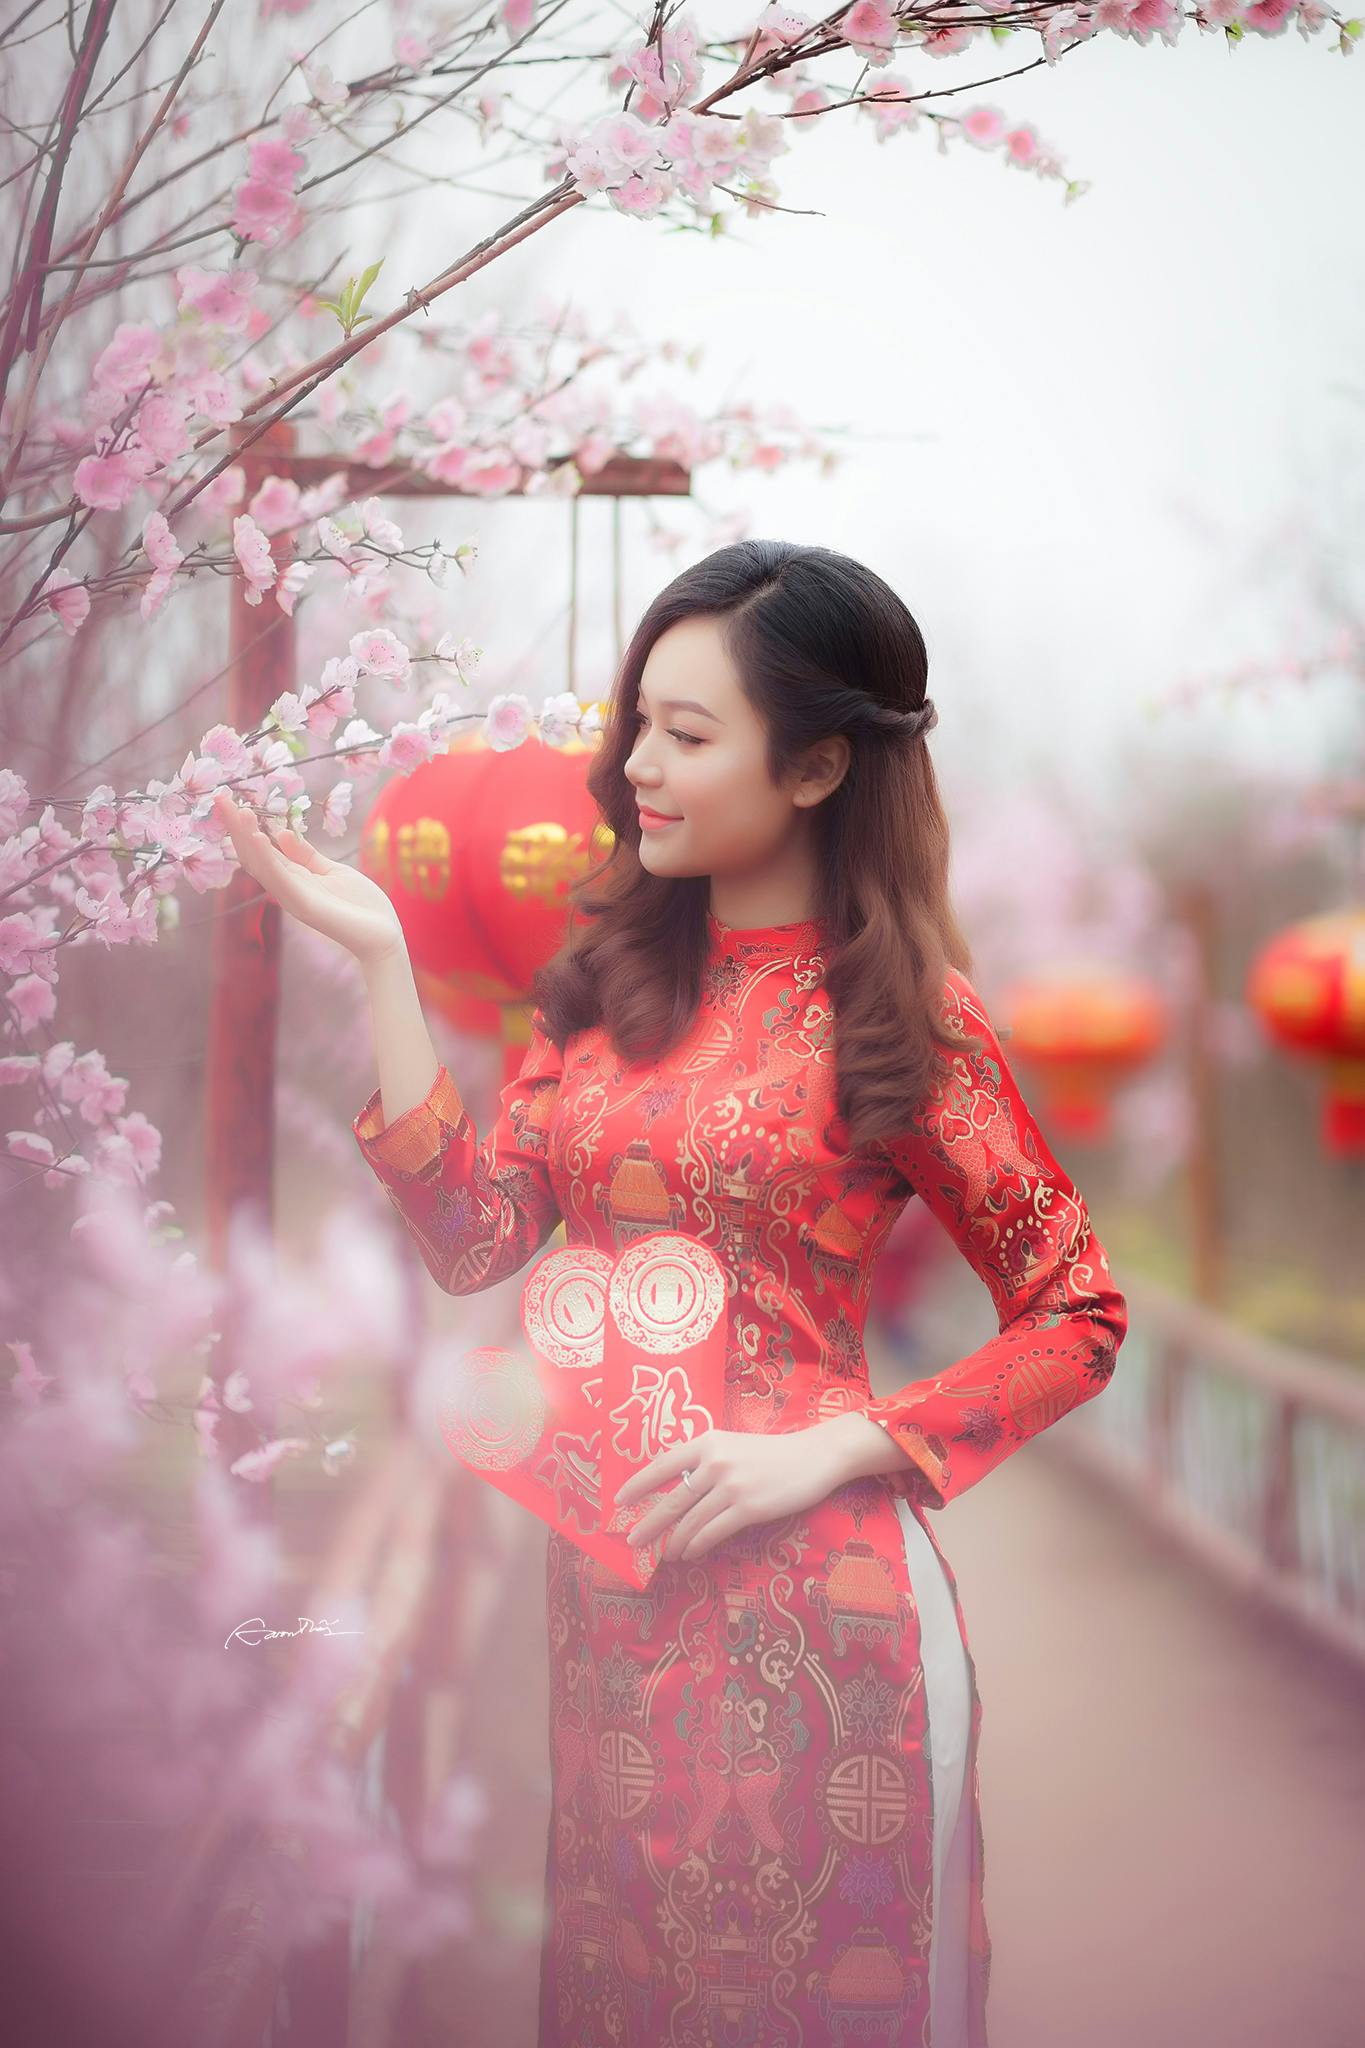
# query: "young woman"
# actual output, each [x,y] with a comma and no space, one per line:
[766,1822]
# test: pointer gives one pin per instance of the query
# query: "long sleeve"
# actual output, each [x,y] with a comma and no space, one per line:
[476,1211]
[978,1159]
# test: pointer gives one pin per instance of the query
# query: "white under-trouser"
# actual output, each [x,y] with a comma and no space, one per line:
[948,1700]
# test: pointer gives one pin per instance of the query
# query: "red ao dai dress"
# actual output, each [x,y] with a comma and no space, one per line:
[765,1827]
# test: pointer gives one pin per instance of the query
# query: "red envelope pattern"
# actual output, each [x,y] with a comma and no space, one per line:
[622,1358]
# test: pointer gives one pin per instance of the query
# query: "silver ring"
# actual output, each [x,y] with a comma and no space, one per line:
[687,1478]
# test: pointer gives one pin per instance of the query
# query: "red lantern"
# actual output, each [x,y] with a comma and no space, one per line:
[1085,1035]
[478,849]
[1308,988]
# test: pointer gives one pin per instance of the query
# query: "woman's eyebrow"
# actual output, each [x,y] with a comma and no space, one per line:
[684,704]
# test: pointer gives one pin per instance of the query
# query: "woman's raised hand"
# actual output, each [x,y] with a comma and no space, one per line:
[334,899]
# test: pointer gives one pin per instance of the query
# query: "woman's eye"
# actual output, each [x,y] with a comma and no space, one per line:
[691,739]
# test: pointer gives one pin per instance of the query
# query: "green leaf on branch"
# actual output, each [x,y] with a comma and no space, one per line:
[347,306]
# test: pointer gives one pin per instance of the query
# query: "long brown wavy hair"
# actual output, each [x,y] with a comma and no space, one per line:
[821,646]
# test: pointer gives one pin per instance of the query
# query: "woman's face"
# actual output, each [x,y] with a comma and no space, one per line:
[700,758]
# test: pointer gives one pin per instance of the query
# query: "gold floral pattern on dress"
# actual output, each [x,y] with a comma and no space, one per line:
[741,1834]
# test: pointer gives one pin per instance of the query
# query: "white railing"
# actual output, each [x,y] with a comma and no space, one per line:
[1251,1452]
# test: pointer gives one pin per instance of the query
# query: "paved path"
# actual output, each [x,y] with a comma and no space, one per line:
[1173,1787]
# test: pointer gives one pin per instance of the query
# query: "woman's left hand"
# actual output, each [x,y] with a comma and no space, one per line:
[737,1478]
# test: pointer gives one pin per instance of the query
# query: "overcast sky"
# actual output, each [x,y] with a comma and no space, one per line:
[1087,440]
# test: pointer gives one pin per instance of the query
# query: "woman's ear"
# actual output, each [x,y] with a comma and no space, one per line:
[825,768]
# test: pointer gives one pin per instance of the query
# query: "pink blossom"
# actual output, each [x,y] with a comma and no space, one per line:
[144,1141]
[489,477]
[558,719]
[33,1000]
[208,864]
[332,538]
[381,653]
[324,85]
[69,600]
[23,943]
[274,162]
[611,151]
[252,550]
[53,834]
[28,1145]
[783,25]
[300,122]
[382,530]
[155,591]
[105,483]
[292,584]
[946,42]
[1142,19]
[126,362]
[507,722]
[760,138]
[17,1067]
[288,712]
[257,1465]
[1021,145]
[237,1393]
[335,697]
[406,748]
[446,465]
[225,490]
[276,504]
[517,16]
[336,808]
[226,746]
[118,923]
[461,654]
[870,28]
[19,856]
[985,126]
[209,393]
[201,773]
[57,1060]
[91,1088]
[375,449]
[221,298]
[357,745]
[665,69]
[114,1159]
[890,105]
[99,816]
[446,419]
[411,49]
[160,425]
[159,544]
[641,197]
[264,213]
[13,801]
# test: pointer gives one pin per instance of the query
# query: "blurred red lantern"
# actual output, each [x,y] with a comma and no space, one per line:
[1084,1035]
[478,849]
[1308,989]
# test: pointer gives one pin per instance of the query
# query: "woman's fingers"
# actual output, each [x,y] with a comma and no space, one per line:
[261,859]
[304,854]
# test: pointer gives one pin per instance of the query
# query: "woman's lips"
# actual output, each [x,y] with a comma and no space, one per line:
[653,821]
